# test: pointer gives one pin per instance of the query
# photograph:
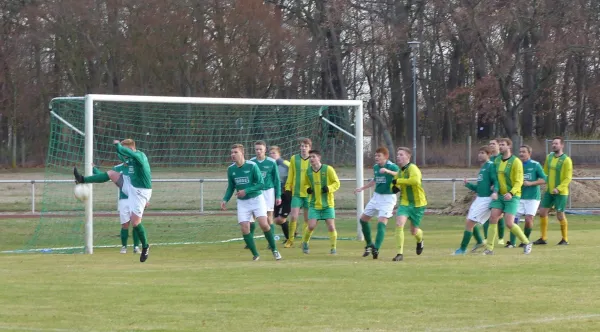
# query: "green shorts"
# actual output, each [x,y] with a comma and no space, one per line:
[323,214]
[509,207]
[299,202]
[415,214]
[559,202]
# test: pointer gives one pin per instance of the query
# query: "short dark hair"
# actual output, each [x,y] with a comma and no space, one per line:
[261,142]
[405,149]
[527,147]
[486,149]
[317,152]
[305,140]
[560,138]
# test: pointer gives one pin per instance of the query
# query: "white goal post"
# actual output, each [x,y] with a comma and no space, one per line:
[89,135]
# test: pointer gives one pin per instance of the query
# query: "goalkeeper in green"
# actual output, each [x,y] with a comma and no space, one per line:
[245,177]
[137,186]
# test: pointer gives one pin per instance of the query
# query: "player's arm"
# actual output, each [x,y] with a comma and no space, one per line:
[541,176]
[230,188]
[333,182]
[289,184]
[276,181]
[516,177]
[566,175]
[546,165]
[307,184]
[121,157]
[471,186]
[414,178]
[126,152]
[393,170]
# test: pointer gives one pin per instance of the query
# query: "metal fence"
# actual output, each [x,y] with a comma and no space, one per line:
[202,193]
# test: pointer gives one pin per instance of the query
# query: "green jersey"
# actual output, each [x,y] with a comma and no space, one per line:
[383,182]
[139,167]
[120,168]
[532,171]
[486,180]
[246,177]
[270,173]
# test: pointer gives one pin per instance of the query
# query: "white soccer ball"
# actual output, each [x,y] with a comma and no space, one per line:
[82,192]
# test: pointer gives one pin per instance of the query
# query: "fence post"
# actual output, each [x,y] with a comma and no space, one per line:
[32,196]
[201,195]
[423,150]
[453,190]
[469,151]
[546,146]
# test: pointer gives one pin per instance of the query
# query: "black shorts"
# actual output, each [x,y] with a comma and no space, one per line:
[283,210]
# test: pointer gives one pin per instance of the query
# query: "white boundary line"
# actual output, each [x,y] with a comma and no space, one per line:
[544,320]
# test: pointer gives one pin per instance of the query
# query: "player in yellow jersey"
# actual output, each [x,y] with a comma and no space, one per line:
[510,180]
[321,182]
[412,201]
[559,169]
[296,188]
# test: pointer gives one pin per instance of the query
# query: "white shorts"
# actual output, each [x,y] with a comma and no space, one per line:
[384,204]
[124,211]
[246,208]
[528,207]
[138,197]
[480,211]
[269,195]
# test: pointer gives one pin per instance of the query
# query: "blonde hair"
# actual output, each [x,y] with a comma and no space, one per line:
[275,148]
[128,143]
[238,146]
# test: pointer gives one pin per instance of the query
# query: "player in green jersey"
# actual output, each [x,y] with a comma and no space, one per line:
[321,182]
[510,179]
[559,169]
[272,185]
[382,202]
[533,177]
[295,187]
[493,144]
[137,186]
[411,203]
[124,210]
[245,177]
[487,190]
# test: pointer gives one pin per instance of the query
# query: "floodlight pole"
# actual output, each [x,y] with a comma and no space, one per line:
[414,45]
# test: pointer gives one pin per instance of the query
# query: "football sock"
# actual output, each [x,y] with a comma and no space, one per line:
[307,235]
[513,238]
[271,239]
[419,235]
[136,239]
[486,227]
[544,227]
[492,234]
[564,229]
[293,226]
[124,236]
[380,235]
[516,230]
[250,243]
[142,234]
[501,226]
[366,230]
[252,228]
[477,234]
[527,231]
[285,227]
[465,240]
[97,178]
[333,239]
[399,240]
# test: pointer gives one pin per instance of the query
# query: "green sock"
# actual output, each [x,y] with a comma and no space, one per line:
[527,231]
[501,226]
[124,236]
[380,235]
[141,234]
[249,239]
[366,229]
[271,239]
[465,241]
[477,234]
[136,239]
[97,178]
[513,239]
[252,228]
[486,226]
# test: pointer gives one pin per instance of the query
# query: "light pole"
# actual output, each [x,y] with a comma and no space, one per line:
[414,45]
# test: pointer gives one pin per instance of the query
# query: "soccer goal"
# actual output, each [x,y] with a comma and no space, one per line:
[187,141]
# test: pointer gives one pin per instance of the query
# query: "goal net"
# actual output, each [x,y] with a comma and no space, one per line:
[187,141]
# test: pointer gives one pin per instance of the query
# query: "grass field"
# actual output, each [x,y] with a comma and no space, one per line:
[216,287]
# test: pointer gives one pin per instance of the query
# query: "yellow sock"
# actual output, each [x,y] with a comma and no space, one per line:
[304,226]
[306,235]
[516,230]
[544,227]
[293,226]
[419,235]
[333,239]
[564,229]
[492,236]
[400,239]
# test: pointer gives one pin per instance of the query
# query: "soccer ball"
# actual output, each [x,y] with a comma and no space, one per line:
[82,192]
